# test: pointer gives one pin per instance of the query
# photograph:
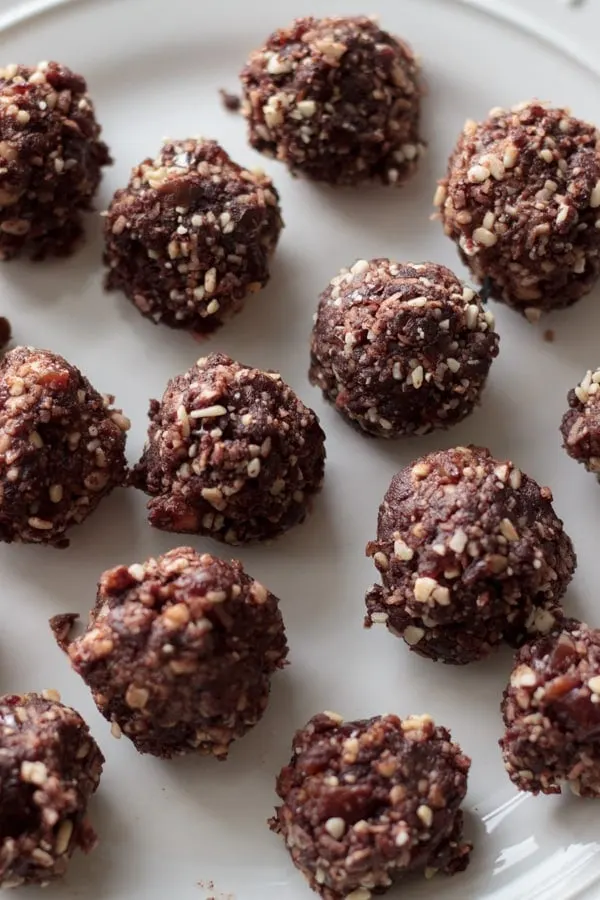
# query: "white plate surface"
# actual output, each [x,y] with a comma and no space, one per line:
[194,829]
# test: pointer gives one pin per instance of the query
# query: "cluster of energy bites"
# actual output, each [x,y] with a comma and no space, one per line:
[179,650]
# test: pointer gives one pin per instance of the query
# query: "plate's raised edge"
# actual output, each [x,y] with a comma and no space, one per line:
[532,25]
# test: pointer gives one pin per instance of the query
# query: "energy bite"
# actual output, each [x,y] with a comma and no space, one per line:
[51,159]
[336,99]
[50,765]
[191,236]
[521,199]
[232,453]
[62,447]
[401,348]
[5,332]
[551,711]
[366,803]
[580,426]
[470,553]
[179,652]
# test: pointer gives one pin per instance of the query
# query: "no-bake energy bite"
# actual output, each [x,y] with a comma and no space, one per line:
[231,453]
[521,199]
[551,711]
[192,235]
[366,803]
[336,99]
[51,159]
[62,447]
[470,553]
[5,332]
[580,427]
[50,765]
[179,652]
[401,348]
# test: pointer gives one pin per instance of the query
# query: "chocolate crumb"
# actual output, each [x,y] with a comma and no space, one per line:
[62,626]
[231,102]
[549,335]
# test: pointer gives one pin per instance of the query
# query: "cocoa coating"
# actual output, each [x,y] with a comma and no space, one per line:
[365,803]
[62,447]
[231,453]
[521,200]
[51,159]
[551,711]
[471,553]
[191,236]
[179,652]
[336,99]
[50,765]
[580,427]
[401,348]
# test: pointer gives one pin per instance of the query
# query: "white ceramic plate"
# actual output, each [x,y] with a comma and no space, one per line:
[195,829]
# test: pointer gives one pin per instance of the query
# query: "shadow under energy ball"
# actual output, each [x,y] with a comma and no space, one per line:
[232,453]
[521,199]
[51,159]
[471,555]
[50,767]
[192,235]
[401,348]
[179,652]
[337,100]
[62,447]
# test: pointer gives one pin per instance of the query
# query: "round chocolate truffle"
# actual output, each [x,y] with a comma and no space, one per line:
[191,236]
[50,765]
[551,710]
[471,553]
[401,348]
[51,159]
[231,453]
[62,447]
[336,99]
[580,426]
[365,803]
[521,200]
[179,652]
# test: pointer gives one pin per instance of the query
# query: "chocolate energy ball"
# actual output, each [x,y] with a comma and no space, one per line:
[401,348]
[51,159]
[62,447]
[50,765]
[551,710]
[336,99]
[179,652]
[471,553]
[191,236]
[365,803]
[522,202]
[580,426]
[231,453]
[5,332]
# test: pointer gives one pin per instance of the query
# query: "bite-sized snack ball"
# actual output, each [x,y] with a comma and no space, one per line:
[366,803]
[551,710]
[50,765]
[401,348]
[62,447]
[5,332]
[471,553]
[51,159]
[179,652]
[336,99]
[580,426]
[231,453]
[192,235]
[521,200]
